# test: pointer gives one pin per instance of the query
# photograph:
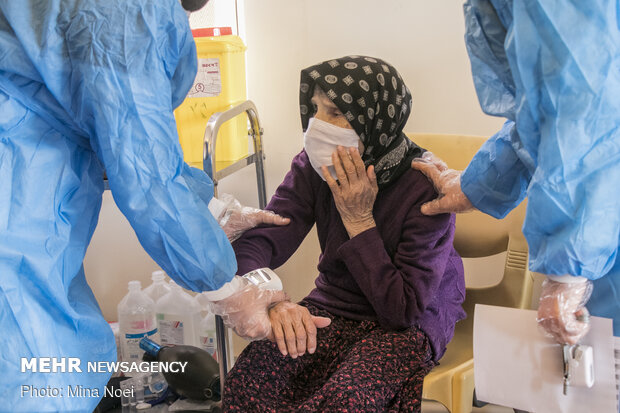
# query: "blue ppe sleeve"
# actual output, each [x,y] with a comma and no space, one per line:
[496,179]
[118,69]
[566,108]
[605,299]
[484,39]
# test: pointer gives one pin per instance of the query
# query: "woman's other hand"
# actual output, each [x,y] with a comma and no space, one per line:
[293,328]
[355,191]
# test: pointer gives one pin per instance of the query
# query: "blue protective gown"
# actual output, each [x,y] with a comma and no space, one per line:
[553,70]
[87,85]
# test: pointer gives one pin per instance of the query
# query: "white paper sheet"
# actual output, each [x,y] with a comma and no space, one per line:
[516,366]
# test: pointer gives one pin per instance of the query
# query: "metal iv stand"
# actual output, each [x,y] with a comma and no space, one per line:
[210,166]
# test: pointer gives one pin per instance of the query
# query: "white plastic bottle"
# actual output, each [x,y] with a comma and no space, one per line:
[178,317]
[207,339]
[158,287]
[136,319]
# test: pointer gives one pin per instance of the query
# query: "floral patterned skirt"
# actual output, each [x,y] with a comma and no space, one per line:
[357,367]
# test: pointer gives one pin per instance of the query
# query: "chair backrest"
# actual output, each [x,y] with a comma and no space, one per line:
[477,235]
[480,235]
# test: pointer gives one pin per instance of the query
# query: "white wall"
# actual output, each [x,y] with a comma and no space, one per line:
[422,39]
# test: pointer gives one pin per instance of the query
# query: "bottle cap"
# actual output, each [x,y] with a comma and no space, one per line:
[149,346]
[134,285]
[158,275]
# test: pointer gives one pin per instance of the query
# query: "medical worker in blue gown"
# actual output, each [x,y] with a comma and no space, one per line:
[88,85]
[553,70]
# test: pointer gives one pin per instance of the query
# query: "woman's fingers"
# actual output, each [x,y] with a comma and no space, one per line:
[360,168]
[347,163]
[340,172]
[290,337]
[300,331]
[310,329]
[278,335]
[331,182]
[372,177]
[321,322]
[294,329]
[282,328]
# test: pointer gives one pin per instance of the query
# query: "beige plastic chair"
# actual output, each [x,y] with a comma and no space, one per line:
[477,235]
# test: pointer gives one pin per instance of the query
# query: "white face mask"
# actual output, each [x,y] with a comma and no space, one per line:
[321,140]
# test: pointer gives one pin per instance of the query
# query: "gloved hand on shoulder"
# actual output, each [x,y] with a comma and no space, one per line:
[447,183]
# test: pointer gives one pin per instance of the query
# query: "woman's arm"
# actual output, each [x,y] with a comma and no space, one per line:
[496,179]
[400,288]
[273,246]
[294,329]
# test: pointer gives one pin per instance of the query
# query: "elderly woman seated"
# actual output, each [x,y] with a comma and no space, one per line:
[389,278]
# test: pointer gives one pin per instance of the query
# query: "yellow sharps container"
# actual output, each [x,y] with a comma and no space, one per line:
[219,85]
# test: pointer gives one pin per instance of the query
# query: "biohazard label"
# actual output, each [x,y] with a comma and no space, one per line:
[208,82]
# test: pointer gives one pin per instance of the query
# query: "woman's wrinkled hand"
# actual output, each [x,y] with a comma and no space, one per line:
[294,329]
[355,191]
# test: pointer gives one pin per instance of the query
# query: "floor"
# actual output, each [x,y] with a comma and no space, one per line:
[434,407]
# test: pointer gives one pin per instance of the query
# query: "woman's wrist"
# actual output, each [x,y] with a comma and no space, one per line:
[355,228]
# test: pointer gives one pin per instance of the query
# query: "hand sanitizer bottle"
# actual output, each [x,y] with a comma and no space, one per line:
[207,339]
[178,317]
[136,318]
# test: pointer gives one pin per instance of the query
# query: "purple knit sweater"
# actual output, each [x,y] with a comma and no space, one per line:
[403,273]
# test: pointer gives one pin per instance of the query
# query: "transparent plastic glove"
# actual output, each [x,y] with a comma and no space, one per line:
[447,183]
[238,218]
[246,310]
[562,313]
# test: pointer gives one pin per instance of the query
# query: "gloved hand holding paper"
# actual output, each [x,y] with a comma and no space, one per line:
[516,365]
